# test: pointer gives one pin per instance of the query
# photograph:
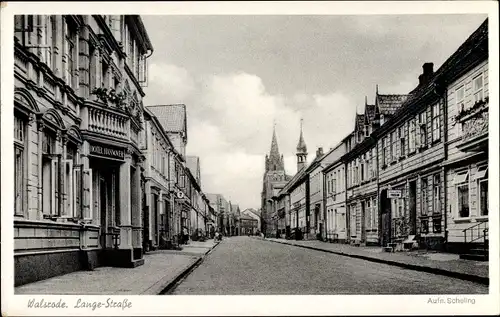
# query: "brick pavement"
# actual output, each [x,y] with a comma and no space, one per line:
[438,263]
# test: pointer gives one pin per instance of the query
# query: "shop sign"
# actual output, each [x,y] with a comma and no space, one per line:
[107,151]
[393,193]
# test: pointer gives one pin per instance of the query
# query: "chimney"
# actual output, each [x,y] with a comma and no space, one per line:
[428,71]
[319,152]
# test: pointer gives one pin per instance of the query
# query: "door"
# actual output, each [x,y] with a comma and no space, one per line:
[413,207]
[385,207]
[363,224]
[103,210]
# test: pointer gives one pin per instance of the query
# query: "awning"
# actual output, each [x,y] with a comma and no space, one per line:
[482,173]
[461,178]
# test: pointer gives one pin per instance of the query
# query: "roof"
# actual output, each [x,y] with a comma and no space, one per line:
[247,217]
[360,121]
[473,51]
[388,104]
[301,146]
[173,118]
[369,112]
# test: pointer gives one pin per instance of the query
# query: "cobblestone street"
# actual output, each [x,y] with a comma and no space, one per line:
[246,266]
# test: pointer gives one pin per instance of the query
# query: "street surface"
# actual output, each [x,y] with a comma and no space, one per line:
[249,266]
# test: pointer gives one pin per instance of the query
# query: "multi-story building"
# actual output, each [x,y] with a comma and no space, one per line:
[334,195]
[362,168]
[77,115]
[173,119]
[157,211]
[248,225]
[465,80]
[410,152]
[253,214]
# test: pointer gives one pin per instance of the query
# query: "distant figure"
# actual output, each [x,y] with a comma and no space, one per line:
[185,235]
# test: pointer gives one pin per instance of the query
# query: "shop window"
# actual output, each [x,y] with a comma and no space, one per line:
[436,224]
[436,208]
[19,164]
[436,125]
[424,210]
[482,177]
[424,226]
[461,182]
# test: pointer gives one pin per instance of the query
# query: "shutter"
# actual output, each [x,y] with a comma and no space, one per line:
[77,186]
[87,194]
[54,176]
[68,195]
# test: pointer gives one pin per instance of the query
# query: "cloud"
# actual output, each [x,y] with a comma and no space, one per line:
[169,84]
[230,122]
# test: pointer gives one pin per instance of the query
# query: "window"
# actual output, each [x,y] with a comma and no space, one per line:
[402,144]
[70,50]
[362,170]
[478,88]
[19,162]
[368,215]
[334,184]
[461,182]
[482,177]
[374,162]
[393,146]
[436,126]
[105,74]
[50,175]
[424,202]
[436,208]
[422,122]
[411,134]
[385,158]
[460,98]
[356,173]
[367,130]
[92,67]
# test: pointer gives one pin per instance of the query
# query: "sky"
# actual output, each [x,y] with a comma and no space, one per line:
[240,75]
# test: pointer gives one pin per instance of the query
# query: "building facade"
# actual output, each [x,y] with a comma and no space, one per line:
[466,135]
[77,116]
[334,195]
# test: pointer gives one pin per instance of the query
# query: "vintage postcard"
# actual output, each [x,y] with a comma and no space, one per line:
[300,158]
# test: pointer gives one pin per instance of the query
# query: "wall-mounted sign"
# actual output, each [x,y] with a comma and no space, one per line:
[104,150]
[393,193]
[180,194]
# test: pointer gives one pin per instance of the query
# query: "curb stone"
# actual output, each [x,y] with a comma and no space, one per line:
[165,290]
[415,267]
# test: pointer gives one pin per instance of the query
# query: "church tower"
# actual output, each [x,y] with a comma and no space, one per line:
[274,161]
[301,151]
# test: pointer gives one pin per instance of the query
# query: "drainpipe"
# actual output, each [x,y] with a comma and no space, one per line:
[324,205]
[445,150]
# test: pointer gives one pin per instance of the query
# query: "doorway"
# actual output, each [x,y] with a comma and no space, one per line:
[385,208]
[363,224]
[413,207]
[103,210]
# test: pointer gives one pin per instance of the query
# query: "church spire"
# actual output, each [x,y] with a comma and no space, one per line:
[301,150]
[274,161]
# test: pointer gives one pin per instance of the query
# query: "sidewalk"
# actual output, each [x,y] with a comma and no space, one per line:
[161,269]
[431,262]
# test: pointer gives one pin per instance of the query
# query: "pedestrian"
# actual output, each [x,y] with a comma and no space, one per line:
[186,236]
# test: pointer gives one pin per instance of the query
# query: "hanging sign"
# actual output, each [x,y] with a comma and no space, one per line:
[393,193]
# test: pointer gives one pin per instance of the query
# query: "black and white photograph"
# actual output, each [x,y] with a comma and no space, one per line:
[283,148]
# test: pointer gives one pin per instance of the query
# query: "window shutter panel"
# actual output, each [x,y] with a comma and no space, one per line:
[87,194]
[77,186]
[68,197]
[54,186]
